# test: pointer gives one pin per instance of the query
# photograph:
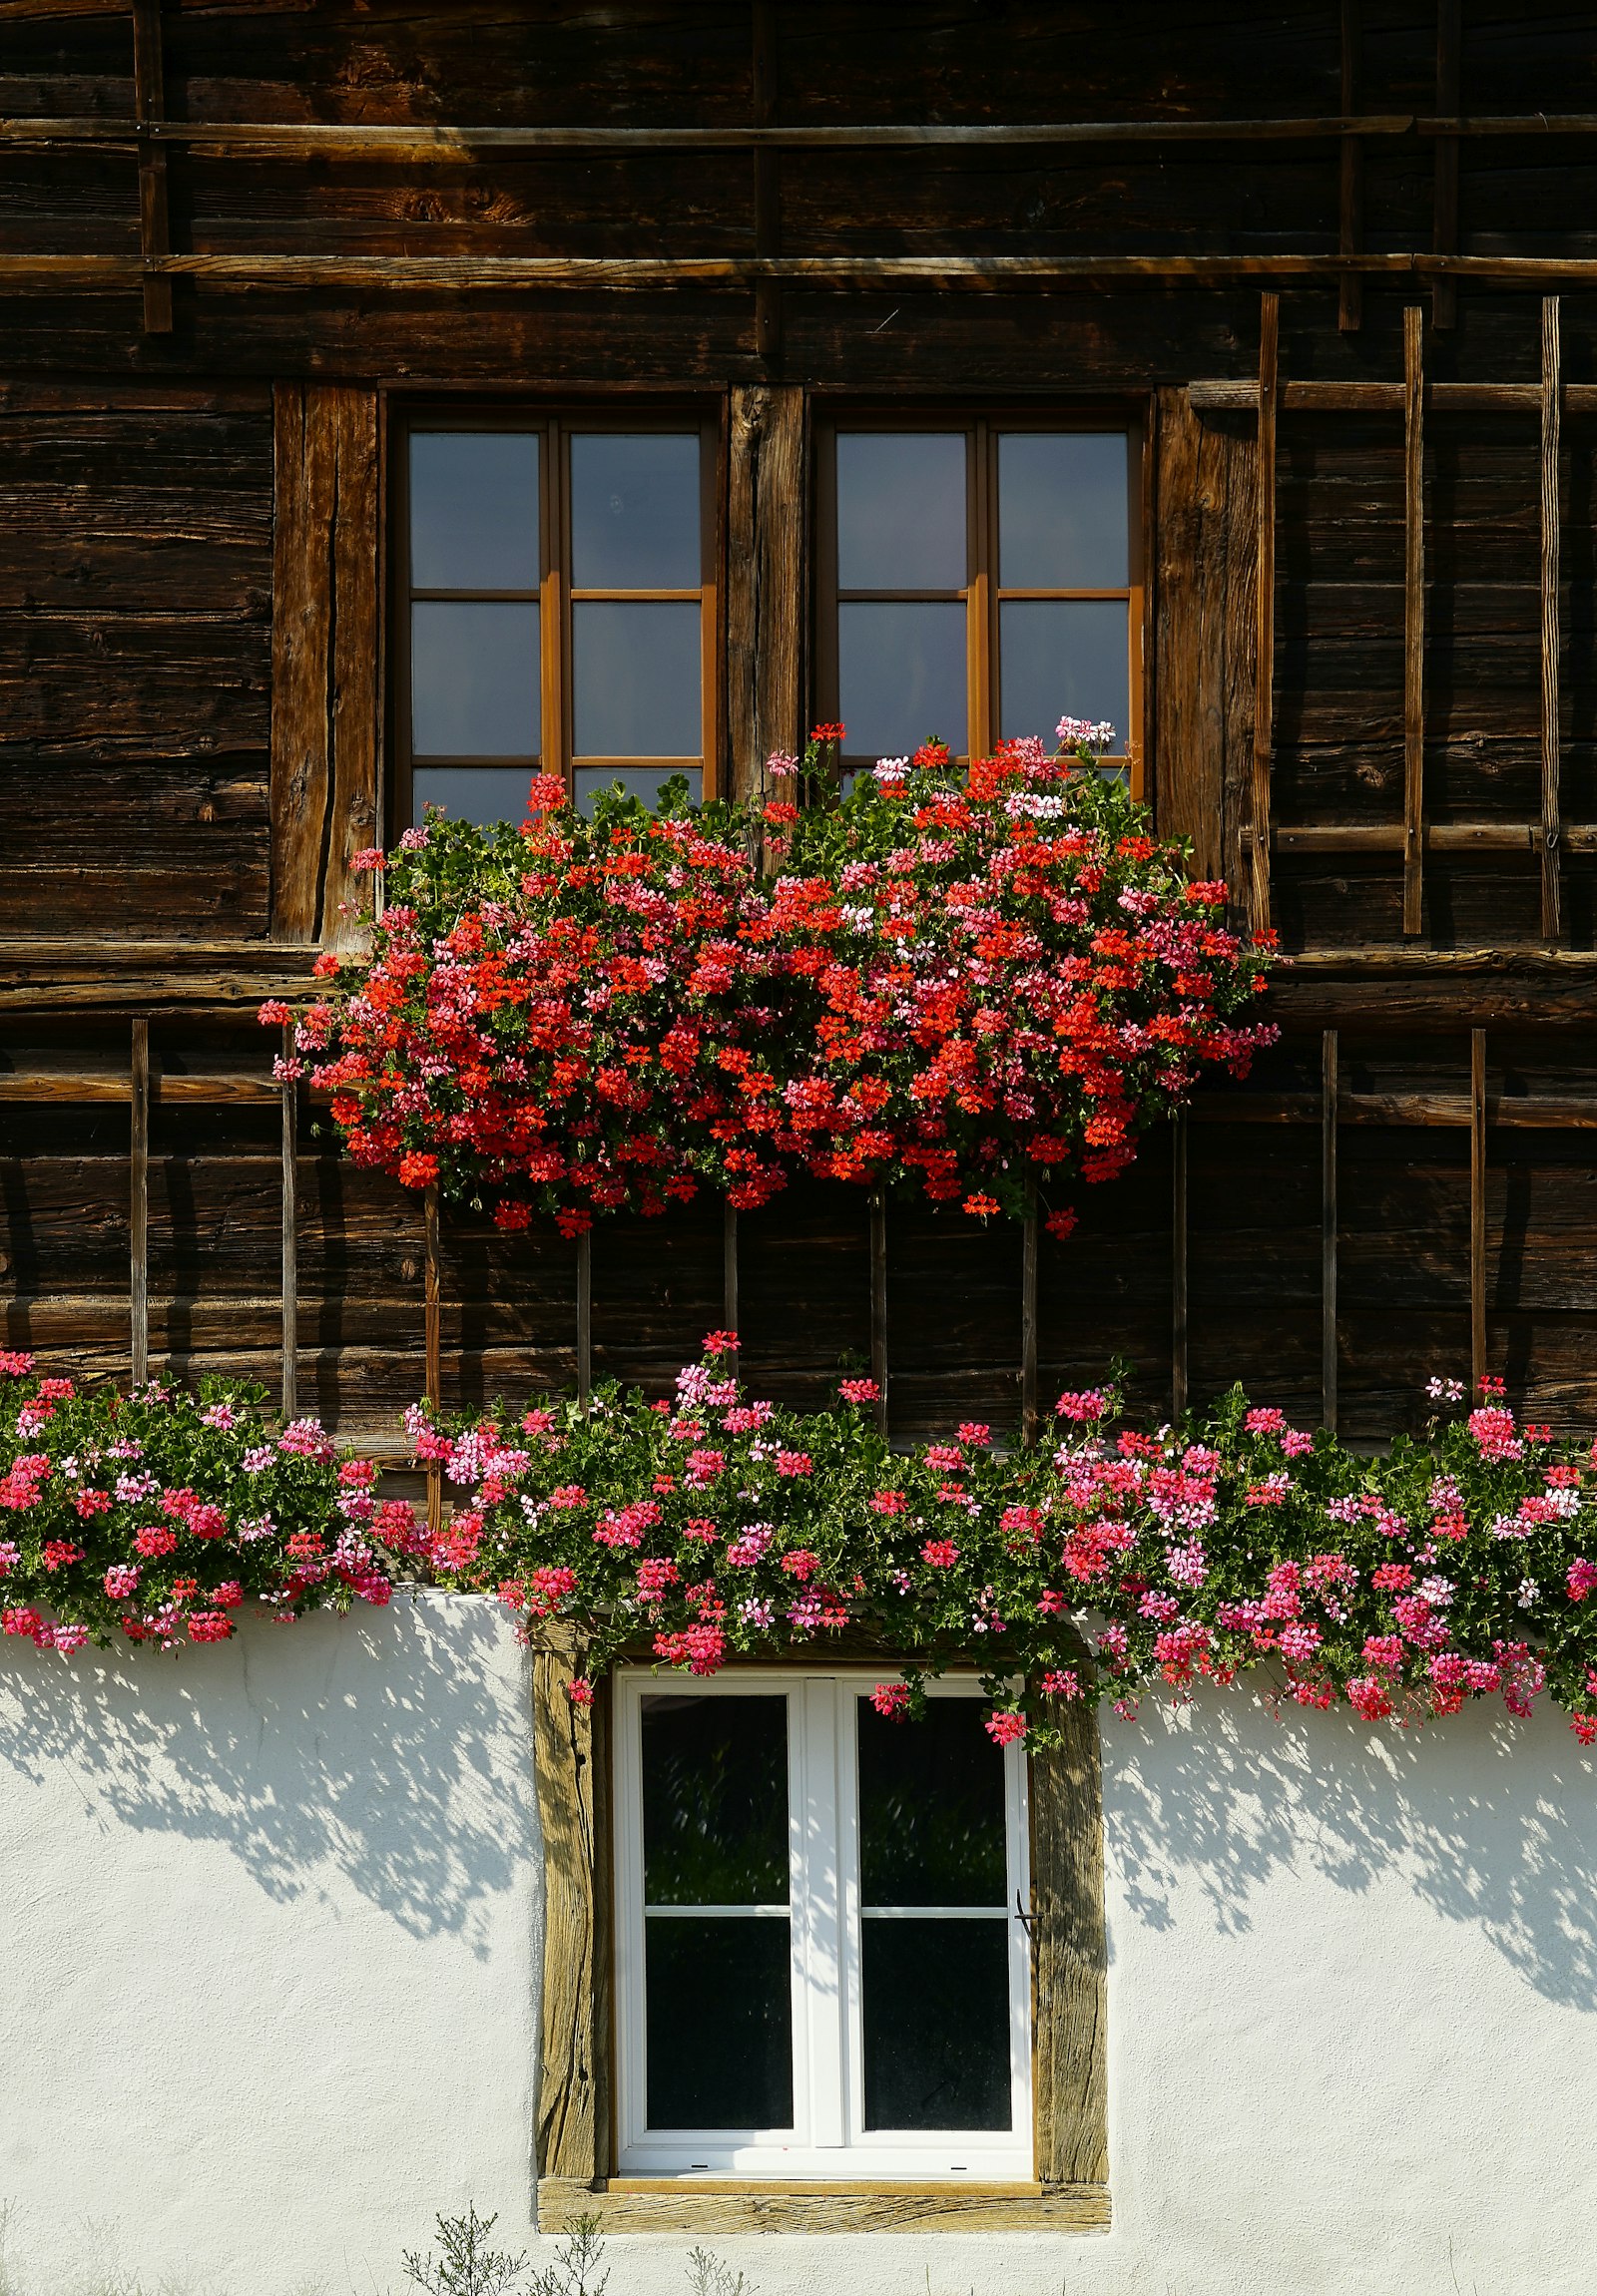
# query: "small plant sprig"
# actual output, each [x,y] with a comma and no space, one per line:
[467,2265]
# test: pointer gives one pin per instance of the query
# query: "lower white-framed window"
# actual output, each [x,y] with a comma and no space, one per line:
[822,1968]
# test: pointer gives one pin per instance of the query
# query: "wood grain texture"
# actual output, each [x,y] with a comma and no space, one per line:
[1265,613]
[1552,533]
[326,651]
[879,1309]
[155,236]
[1070,1957]
[766,558]
[1029,1320]
[573,2127]
[1177,1270]
[1413,618]
[1330,1090]
[1351,170]
[290,1236]
[1477,1210]
[664,2207]
[1197,479]
[139,1203]
[1444,236]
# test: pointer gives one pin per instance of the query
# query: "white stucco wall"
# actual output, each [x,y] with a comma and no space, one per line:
[268,1961]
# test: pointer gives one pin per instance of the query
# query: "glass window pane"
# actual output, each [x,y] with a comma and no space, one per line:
[900,676]
[474,510]
[480,793]
[931,1808]
[473,678]
[635,512]
[714,1801]
[1063,657]
[634,675]
[1062,505]
[645,782]
[936,2024]
[718,2022]
[902,510]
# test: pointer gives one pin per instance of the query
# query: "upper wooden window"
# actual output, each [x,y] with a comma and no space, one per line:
[978,579]
[822,1964]
[558,594]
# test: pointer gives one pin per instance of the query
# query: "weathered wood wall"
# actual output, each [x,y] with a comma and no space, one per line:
[192,581]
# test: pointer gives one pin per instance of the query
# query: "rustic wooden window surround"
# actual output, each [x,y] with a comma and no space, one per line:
[989,586]
[551,595]
[576,2144]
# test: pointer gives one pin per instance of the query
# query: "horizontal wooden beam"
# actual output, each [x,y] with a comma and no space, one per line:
[654,275]
[1333,837]
[1525,1111]
[81,1086]
[1226,396]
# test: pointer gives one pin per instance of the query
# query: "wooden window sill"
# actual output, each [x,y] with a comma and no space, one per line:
[731,2205]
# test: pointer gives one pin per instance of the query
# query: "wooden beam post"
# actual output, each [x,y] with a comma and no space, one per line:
[1330,1086]
[291,1234]
[1178,1274]
[584,1315]
[1070,1953]
[1445,240]
[729,1266]
[1351,187]
[879,1305]
[767,185]
[1551,918]
[1265,617]
[1414,618]
[1477,1209]
[765,580]
[149,102]
[1029,1320]
[139,1203]
[569,1764]
[433,1311]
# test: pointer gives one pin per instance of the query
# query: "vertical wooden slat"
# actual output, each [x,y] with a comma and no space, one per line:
[1445,238]
[879,1306]
[764,579]
[291,1235]
[1178,1273]
[569,1761]
[149,100]
[729,1267]
[1413,617]
[1069,1954]
[325,650]
[432,1311]
[139,1203]
[767,185]
[1329,1096]
[1551,918]
[1350,189]
[584,1315]
[1029,1320]
[1265,615]
[1478,1209]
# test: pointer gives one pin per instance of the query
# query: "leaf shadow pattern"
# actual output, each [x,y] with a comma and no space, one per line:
[1489,1822]
[388,1747]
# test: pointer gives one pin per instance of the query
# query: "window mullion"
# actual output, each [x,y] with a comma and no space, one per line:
[822,1943]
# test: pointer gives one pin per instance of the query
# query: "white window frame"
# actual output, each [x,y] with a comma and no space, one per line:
[828,2140]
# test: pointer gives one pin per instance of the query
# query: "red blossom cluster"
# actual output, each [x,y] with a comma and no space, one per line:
[965,984]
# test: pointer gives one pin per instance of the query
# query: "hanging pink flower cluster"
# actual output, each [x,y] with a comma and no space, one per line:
[969,985]
[165,1516]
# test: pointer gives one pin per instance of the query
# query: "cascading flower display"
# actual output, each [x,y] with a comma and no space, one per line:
[717,1527]
[165,1516]
[968,984]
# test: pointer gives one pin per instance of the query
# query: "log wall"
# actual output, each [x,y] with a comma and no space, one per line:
[223,269]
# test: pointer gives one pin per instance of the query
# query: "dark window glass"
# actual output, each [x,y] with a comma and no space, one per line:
[1062,510]
[714,1801]
[481,793]
[645,782]
[636,671]
[635,512]
[901,510]
[902,676]
[1062,658]
[474,510]
[473,678]
[931,1809]
[719,2032]
[936,2024]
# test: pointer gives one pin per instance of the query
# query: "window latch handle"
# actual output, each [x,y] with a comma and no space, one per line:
[1025,1919]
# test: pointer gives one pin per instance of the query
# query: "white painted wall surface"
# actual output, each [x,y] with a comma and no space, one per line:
[270,1949]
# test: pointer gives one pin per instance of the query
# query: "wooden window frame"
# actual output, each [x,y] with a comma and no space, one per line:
[576,2136]
[981,593]
[554,425]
